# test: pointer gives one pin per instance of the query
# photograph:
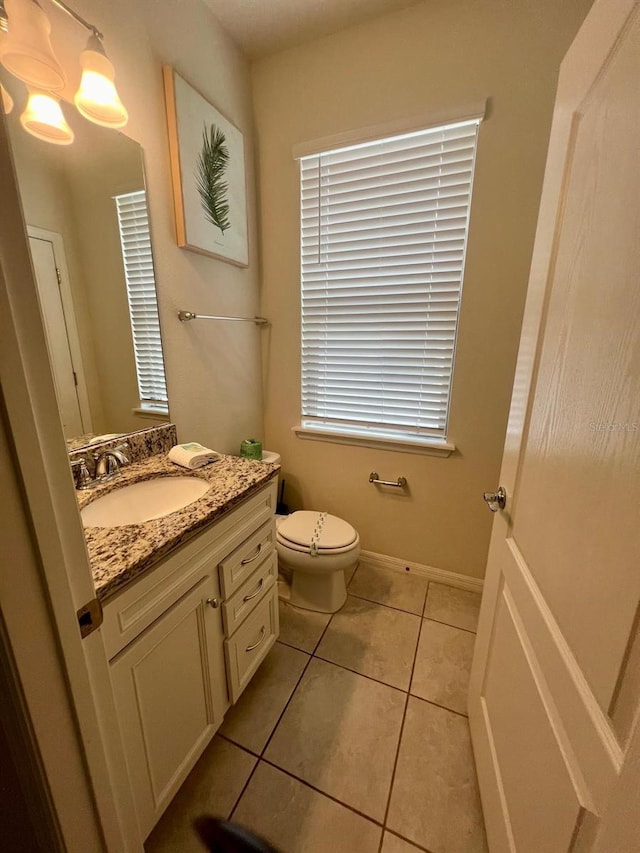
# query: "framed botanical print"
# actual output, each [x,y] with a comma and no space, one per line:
[208,174]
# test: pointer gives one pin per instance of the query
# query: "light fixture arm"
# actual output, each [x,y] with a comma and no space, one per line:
[93,29]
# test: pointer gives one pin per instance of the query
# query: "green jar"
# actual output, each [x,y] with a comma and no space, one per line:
[251,448]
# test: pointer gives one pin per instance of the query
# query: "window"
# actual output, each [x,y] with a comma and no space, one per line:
[383,237]
[135,239]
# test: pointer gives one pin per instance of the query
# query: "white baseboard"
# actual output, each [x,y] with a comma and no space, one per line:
[381,561]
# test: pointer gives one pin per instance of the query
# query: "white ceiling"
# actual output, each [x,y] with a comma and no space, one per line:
[262,27]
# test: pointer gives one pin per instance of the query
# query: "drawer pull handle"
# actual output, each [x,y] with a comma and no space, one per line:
[263,634]
[213,602]
[251,559]
[257,591]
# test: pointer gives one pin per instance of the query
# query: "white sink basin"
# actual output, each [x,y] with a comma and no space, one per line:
[143,501]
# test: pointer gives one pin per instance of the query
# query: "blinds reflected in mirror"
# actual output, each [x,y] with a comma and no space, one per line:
[135,239]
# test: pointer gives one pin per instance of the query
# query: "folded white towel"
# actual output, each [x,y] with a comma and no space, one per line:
[192,455]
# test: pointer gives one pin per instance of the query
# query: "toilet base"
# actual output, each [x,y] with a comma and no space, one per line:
[284,588]
[323,593]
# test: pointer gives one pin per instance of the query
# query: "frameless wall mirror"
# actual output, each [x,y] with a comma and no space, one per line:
[85,206]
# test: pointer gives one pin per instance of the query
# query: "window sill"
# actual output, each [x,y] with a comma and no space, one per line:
[151,414]
[427,446]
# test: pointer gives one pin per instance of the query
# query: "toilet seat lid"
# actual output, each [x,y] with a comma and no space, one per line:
[299,528]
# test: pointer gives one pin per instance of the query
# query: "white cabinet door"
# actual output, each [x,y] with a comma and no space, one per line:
[555,685]
[170,690]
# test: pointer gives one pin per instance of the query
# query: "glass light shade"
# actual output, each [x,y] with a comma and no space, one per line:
[25,50]
[44,119]
[7,100]
[97,98]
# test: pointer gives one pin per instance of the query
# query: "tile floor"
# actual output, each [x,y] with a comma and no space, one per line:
[352,736]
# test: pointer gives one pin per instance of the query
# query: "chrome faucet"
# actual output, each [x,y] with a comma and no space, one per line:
[107,466]
[108,463]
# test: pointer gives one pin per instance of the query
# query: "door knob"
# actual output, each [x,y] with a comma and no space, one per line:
[495,500]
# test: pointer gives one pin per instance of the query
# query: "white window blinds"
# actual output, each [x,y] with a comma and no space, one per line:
[135,238]
[383,237]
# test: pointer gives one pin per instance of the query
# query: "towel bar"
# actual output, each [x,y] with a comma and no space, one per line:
[183,316]
[400,483]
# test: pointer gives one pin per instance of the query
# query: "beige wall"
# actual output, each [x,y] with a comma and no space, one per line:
[429,58]
[213,370]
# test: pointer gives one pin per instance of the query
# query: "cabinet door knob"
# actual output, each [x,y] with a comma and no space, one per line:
[213,602]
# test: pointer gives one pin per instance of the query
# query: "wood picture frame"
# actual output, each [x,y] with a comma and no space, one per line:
[208,174]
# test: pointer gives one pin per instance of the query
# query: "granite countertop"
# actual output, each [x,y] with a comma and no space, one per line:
[119,554]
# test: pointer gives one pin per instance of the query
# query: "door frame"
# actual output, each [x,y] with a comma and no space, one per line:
[71,323]
[94,806]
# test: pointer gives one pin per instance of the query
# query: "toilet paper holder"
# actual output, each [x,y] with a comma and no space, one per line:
[400,483]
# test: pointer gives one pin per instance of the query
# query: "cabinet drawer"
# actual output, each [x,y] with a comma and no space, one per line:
[241,563]
[245,651]
[250,594]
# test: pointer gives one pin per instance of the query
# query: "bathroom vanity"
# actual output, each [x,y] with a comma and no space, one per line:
[190,611]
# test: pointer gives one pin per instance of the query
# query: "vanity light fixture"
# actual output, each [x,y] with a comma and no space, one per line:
[97,98]
[25,49]
[26,52]
[44,119]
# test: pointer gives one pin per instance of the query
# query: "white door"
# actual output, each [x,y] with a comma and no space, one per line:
[556,675]
[47,254]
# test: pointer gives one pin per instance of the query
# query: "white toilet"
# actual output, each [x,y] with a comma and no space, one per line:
[318,549]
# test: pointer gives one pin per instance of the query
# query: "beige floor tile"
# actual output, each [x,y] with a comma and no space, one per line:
[340,733]
[212,787]
[393,844]
[443,664]
[435,800]
[297,819]
[301,628]
[457,607]
[253,718]
[372,639]
[404,591]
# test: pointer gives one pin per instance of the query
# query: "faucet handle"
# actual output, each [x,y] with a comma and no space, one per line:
[81,473]
[120,454]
